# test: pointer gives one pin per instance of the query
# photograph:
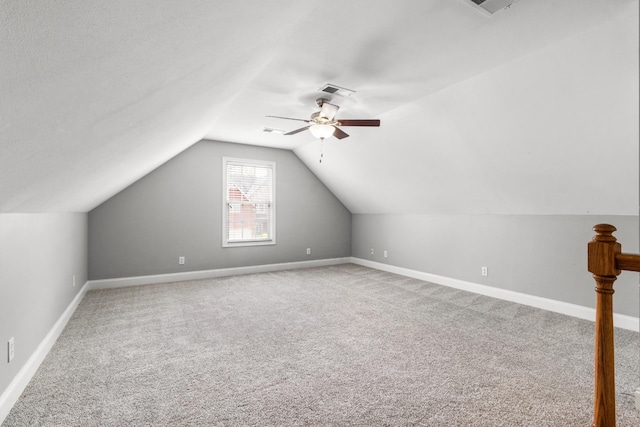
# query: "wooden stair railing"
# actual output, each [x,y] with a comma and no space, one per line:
[606,261]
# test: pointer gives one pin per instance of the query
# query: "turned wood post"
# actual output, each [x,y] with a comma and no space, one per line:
[602,251]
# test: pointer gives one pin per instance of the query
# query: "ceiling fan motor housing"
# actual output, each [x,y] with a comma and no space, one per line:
[318,119]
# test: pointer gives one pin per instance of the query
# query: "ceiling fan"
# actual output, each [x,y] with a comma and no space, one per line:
[323,123]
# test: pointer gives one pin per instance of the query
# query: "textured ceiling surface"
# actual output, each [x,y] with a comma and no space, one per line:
[511,113]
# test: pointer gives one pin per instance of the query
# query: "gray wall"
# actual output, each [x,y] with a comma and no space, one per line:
[39,255]
[177,211]
[532,254]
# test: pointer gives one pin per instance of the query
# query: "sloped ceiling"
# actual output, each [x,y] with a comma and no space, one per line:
[519,112]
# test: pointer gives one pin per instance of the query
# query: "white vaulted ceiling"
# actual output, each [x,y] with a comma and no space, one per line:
[533,110]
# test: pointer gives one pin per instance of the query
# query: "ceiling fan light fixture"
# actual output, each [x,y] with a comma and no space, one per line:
[321,131]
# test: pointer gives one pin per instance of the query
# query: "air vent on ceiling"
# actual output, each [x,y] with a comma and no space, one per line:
[272,130]
[337,90]
[490,6]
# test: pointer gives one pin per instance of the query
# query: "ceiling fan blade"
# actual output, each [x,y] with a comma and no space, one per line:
[339,133]
[289,118]
[357,122]
[328,111]
[293,132]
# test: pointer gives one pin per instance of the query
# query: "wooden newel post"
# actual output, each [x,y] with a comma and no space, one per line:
[602,251]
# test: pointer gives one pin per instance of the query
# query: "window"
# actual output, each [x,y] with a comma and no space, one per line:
[248,216]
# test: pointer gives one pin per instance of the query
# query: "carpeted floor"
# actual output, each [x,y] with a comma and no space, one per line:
[332,346]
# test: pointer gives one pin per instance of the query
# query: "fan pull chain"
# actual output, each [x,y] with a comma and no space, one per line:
[321,149]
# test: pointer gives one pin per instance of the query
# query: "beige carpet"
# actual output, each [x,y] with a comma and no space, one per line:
[334,346]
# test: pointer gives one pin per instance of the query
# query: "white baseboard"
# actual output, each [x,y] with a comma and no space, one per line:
[10,395]
[620,320]
[209,274]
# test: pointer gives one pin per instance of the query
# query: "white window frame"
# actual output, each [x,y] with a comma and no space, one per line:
[226,243]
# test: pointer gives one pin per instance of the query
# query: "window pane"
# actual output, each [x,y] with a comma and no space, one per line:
[249,201]
[249,221]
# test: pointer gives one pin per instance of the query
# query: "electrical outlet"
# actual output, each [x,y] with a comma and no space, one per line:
[372,251]
[11,349]
[181,260]
[74,280]
[385,254]
[308,251]
[485,271]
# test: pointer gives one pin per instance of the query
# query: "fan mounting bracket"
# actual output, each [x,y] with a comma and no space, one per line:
[320,101]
